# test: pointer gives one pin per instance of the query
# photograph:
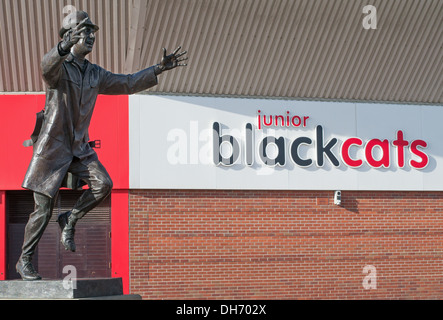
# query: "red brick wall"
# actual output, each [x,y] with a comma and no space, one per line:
[285,244]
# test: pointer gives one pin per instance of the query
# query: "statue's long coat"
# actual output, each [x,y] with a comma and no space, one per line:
[70,101]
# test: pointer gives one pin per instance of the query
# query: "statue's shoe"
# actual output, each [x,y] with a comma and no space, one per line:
[26,270]
[68,230]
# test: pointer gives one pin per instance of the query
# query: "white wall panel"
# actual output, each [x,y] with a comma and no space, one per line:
[172,144]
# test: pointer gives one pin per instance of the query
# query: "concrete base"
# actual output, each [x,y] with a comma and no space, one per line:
[76,289]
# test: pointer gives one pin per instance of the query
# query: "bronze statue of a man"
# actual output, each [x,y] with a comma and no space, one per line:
[62,146]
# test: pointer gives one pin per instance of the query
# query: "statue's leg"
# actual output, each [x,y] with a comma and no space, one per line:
[99,182]
[100,185]
[37,223]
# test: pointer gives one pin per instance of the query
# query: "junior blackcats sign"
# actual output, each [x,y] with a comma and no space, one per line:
[400,149]
[230,143]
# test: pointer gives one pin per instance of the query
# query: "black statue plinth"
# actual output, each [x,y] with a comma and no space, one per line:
[76,289]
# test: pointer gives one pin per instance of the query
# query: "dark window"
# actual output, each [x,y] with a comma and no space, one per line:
[92,258]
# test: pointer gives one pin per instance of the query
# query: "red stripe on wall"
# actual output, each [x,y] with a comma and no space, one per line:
[110,124]
[2,235]
[120,236]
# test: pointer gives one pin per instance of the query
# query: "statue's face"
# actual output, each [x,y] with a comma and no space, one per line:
[86,43]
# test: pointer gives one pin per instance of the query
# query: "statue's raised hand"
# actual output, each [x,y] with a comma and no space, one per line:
[72,36]
[173,60]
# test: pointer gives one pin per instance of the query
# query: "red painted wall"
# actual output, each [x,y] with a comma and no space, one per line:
[120,236]
[109,124]
[205,244]
[3,246]
[16,125]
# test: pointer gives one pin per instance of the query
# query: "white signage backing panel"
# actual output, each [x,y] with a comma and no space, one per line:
[179,142]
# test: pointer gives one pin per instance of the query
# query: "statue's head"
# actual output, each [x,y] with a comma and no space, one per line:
[86,43]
